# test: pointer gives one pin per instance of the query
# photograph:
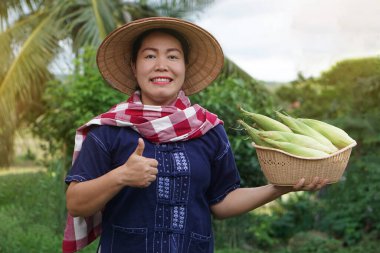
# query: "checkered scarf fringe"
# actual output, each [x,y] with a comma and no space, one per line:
[158,124]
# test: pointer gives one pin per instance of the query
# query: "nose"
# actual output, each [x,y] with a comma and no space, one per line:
[161,64]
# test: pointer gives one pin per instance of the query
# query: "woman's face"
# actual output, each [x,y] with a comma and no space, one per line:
[160,69]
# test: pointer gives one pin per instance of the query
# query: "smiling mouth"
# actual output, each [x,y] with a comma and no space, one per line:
[161,80]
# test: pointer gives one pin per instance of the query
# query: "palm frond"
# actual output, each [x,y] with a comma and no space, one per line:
[11,37]
[28,71]
[91,21]
[11,10]
[134,10]
[98,19]
[178,8]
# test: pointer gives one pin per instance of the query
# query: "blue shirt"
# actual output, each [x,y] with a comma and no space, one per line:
[172,215]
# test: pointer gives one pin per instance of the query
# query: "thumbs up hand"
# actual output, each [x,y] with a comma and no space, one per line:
[138,171]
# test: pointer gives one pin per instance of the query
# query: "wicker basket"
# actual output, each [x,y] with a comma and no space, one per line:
[282,168]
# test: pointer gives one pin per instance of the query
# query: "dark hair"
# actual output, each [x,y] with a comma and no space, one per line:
[137,43]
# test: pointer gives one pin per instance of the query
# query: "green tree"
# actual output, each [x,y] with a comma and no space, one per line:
[224,98]
[32,35]
[349,87]
[82,95]
[346,95]
[71,102]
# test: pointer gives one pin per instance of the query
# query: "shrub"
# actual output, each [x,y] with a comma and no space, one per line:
[224,97]
[313,242]
[71,102]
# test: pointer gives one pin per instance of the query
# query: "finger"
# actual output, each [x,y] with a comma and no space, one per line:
[322,184]
[319,186]
[315,181]
[154,171]
[146,184]
[140,147]
[313,185]
[151,180]
[153,163]
[300,184]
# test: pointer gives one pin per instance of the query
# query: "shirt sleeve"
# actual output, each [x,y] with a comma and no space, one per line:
[93,160]
[225,176]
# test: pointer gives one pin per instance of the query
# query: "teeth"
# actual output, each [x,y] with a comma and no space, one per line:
[161,80]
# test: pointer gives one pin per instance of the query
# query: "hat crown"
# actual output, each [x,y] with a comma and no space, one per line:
[205,58]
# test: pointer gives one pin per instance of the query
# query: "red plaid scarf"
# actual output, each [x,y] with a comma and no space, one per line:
[177,122]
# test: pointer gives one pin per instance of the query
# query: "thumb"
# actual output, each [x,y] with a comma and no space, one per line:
[140,147]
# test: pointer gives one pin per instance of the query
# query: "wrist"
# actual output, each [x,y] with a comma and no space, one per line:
[281,190]
[116,178]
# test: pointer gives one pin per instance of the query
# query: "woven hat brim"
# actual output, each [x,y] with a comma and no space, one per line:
[206,57]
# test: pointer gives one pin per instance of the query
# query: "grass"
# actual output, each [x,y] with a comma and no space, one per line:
[28,213]
[32,215]
[21,170]
[32,211]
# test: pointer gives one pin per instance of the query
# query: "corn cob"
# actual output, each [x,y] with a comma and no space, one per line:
[295,149]
[252,132]
[336,135]
[299,139]
[265,122]
[299,127]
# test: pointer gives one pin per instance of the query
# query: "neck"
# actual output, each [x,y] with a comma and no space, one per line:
[158,101]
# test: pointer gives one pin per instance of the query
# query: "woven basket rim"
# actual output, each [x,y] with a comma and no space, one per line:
[306,158]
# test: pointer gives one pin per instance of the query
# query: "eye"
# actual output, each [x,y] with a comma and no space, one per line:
[150,56]
[173,57]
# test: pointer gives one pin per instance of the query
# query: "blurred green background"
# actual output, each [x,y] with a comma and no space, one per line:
[40,112]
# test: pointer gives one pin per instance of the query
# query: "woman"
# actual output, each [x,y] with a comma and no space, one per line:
[152,170]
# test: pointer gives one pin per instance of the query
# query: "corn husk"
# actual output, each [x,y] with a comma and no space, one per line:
[336,135]
[253,134]
[299,127]
[265,122]
[298,139]
[295,149]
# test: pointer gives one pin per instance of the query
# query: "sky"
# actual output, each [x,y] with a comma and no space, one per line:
[273,40]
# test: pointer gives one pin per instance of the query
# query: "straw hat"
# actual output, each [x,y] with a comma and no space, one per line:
[205,54]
